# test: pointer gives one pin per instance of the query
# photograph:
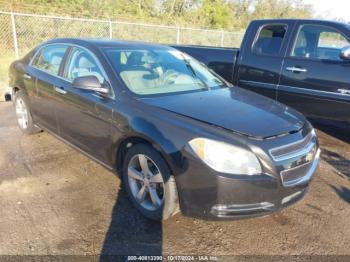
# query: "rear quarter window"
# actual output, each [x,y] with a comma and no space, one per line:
[49,58]
[269,40]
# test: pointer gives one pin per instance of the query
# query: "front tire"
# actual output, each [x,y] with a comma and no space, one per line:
[149,183]
[24,118]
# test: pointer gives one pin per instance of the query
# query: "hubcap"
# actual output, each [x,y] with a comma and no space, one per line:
[146,182]
[22,113]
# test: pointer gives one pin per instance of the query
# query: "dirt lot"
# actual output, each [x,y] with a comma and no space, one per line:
[54,200]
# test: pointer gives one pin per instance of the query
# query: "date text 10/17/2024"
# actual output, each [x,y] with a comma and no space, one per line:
[172,258]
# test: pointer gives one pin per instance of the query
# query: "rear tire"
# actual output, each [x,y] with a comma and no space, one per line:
[149,183]
[24,117]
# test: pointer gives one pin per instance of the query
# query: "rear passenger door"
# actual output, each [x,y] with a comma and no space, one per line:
[44,72]
[315,80]
[262,56]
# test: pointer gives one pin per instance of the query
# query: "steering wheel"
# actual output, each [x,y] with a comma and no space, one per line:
[170,76]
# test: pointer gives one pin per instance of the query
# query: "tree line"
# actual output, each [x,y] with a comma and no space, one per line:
[218,14]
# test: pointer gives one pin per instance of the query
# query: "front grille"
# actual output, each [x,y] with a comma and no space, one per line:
[292,175]
[294,149]
[301,157]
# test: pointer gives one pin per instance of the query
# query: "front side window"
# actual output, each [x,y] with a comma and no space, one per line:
[319,42]
[149,72]
[82,63]
[269,40]
[49,58]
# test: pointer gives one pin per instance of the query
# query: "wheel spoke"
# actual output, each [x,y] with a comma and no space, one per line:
[20,121]
[141,194]
[20,117]
[154,197]
[133,173]
[143,164]
[19,113]
[157,178]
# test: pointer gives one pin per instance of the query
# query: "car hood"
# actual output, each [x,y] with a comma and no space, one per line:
[234,109]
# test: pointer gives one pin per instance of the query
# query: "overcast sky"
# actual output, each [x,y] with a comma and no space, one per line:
[331,9]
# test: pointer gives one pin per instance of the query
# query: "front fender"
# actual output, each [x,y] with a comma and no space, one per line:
[152,127]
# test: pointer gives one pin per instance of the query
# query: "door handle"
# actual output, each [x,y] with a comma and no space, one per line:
[26,76]
[344,91]
[60,90]
[296,69]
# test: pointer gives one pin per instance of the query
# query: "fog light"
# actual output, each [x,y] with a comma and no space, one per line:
[241,209]
[290,197]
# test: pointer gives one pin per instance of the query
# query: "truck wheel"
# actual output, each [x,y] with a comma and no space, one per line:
[24,118]
[150,186]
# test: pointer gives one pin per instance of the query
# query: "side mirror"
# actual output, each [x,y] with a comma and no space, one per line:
[345,53]
[90,83]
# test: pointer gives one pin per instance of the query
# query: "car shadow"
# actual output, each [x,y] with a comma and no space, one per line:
[129,232]
[340,163]
[341,166]
[339,131]
[342,192]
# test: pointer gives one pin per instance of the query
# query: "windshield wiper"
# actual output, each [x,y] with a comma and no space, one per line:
[190,67]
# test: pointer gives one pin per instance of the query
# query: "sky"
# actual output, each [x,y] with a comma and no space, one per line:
[334,9]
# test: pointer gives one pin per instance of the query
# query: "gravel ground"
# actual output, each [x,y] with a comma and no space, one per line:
[54,201]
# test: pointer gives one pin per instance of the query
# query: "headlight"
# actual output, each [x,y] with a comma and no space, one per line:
[226,158]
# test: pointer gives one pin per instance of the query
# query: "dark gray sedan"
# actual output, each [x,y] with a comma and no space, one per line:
[180,136]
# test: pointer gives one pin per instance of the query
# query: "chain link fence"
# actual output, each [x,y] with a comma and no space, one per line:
[21,32]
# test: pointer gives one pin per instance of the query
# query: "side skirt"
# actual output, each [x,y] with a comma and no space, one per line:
[110,168]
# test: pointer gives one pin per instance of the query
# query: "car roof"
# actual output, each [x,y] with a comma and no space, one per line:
[104,42]
[317,21]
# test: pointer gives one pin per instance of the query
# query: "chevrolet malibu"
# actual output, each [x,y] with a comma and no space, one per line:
[180,136]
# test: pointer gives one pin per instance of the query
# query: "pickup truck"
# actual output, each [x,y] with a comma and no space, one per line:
[304,64]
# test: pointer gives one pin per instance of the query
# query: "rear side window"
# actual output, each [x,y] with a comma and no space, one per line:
[269,40]
[49,58]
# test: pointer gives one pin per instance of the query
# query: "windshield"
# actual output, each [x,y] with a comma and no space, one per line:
[161,71]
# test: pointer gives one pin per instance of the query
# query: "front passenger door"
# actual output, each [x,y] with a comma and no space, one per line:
[84,116]
[315,80]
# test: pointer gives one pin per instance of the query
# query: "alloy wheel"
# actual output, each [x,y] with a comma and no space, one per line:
[146,182]
[22,113]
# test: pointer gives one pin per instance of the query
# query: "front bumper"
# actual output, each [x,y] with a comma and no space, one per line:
[257,209]
[208,195]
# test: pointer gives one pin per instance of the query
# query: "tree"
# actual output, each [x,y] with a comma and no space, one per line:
[219,14]
[280,9]
[215,14]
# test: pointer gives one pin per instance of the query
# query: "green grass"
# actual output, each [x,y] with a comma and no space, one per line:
[5,60]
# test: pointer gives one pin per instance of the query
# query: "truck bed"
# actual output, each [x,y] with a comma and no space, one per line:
[221,60]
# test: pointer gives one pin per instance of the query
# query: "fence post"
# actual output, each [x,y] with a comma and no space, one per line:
[110,29]
[178,36]
[14,34]
[222,38]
